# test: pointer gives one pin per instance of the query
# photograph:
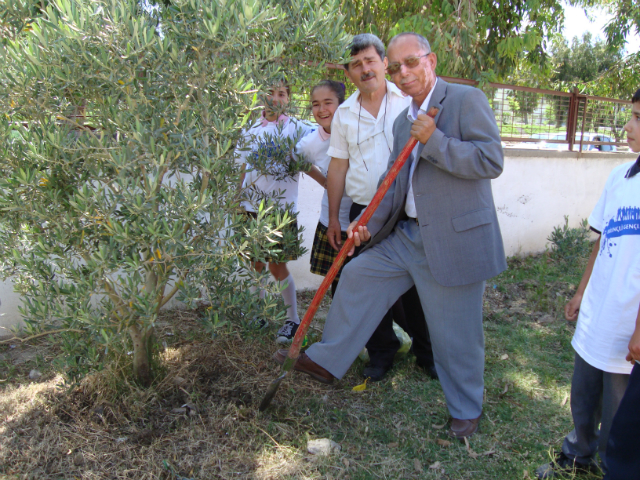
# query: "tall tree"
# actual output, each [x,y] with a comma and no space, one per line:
[581,62]
[473,38]
[625,18]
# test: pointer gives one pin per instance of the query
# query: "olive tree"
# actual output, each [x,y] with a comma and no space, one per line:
[118,186]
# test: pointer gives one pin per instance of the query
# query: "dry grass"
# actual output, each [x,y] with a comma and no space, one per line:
[201,420]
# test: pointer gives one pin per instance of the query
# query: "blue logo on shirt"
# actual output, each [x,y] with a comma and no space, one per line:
[626,222]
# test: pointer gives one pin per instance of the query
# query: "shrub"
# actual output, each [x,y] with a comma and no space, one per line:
[570,244]
[118,188]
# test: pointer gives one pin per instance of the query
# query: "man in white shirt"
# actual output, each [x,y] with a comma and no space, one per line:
[361,141]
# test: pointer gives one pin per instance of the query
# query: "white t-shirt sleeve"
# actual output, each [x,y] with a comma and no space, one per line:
[243,148]
[338,146]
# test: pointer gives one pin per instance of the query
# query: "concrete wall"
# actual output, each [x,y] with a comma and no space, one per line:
[534,193]
[537,189]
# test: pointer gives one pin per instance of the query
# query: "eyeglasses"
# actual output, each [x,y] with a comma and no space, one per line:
[384,119]
[409,62]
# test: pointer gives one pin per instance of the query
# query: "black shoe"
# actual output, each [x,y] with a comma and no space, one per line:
[428,367]
[375,373]
[564,465]
[287,332]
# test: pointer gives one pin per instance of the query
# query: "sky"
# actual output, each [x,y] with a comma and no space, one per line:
[576,24]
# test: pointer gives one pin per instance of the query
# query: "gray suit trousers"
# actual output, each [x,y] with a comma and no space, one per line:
[372,282]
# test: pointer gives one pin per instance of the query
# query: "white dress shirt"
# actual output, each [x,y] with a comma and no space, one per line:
[365,141]
[313,148]
[412,114]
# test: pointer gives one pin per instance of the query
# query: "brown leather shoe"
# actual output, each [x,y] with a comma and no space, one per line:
[463,428]
[305,365]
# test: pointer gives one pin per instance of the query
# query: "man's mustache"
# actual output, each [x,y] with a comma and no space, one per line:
[367,76]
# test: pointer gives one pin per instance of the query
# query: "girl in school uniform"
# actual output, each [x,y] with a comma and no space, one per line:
[325,98]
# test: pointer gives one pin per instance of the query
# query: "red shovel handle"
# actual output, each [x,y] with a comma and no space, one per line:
[294,350]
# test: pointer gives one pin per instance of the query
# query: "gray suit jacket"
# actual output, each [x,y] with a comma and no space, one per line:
[452,188]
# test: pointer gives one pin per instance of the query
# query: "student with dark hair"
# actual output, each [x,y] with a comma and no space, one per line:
[623,446]
[326,97]
[265,138]
[606,306]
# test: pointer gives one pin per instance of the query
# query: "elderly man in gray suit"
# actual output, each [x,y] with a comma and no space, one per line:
[436,228]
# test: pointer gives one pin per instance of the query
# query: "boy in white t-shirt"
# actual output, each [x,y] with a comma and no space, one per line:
[266,140]
[606,305]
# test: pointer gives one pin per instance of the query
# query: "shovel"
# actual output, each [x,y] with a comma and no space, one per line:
[294,350]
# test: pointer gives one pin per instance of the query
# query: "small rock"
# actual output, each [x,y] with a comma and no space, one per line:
[546,319]
[34,374]
[504,357]
[322,447]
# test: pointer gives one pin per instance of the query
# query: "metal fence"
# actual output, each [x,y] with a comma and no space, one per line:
[537,118]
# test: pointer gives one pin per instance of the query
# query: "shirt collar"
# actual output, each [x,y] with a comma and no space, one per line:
[635,168]
[353,103]
[281,119]
[323,135]
[414,110]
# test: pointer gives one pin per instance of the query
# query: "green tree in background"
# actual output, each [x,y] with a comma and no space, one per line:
[584,61]
[623,77]
[594,68]
[118,188]
[473,39]
[625,18]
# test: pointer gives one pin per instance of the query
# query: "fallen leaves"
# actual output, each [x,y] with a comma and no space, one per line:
[417,465]
[361,387]
[443,443]
[470,452]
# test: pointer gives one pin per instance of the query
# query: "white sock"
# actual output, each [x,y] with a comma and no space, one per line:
[290,300]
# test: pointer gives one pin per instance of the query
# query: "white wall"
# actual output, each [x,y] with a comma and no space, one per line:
[537,189]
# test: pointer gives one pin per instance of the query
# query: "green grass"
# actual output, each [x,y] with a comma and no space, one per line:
[394,429]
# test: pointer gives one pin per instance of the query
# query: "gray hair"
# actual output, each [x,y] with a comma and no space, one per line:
[363,41]
[422,41]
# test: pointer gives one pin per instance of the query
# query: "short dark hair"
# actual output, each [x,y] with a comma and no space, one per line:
[363,41]
[281,83]
[422,41]
[336,87]
[636,97]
